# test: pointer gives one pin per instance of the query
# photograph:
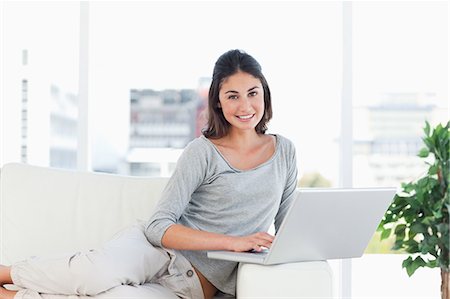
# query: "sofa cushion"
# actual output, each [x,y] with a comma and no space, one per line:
[45,210]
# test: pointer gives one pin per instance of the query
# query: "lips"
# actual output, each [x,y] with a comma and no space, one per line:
[245,117]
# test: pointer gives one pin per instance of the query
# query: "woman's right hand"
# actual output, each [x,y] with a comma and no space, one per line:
[255,242]
[180,237]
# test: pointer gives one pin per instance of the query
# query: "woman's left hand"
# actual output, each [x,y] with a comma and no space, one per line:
[255,242]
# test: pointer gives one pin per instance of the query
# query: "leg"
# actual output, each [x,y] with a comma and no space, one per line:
[120,261]
[6,294]
[146,291]
[5,275]
[5,278]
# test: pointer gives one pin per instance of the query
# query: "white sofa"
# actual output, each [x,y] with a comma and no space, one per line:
[47,211]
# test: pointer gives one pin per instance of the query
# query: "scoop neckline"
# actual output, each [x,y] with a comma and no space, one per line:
[268,161]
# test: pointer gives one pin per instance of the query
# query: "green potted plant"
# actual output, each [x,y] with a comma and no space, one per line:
[419,215]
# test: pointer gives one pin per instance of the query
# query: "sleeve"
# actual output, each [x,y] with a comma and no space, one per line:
[189,174]
[291,185]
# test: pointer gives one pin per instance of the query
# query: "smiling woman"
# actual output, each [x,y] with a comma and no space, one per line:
[239,94]
[213,201]
[240,104]
[246,105]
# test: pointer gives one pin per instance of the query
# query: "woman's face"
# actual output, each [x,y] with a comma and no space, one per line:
[241,97]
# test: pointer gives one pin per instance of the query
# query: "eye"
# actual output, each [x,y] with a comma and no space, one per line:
[232,97]
[253,93]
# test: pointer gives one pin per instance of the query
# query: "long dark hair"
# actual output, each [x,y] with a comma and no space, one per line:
[229,64]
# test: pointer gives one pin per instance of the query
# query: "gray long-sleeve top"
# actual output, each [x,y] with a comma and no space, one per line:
[206,193]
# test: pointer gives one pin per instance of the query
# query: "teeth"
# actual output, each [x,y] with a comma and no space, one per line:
[246,116]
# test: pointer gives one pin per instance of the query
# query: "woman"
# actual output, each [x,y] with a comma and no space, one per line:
[229,185]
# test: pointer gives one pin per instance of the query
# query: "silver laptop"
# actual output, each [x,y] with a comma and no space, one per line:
[322,224]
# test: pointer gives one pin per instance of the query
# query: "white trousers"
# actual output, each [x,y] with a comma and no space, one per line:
[127,266]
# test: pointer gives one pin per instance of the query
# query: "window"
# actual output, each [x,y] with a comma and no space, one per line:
[40,83]
[400,71]
[144,66]
[149,75]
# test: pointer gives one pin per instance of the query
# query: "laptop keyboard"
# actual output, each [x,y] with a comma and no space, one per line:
[263,251]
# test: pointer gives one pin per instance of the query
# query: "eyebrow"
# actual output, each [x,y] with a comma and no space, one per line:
[234,91]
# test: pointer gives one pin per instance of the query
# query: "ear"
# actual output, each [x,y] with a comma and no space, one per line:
[218,105]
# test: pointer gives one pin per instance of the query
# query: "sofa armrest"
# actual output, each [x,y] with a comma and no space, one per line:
[292,280]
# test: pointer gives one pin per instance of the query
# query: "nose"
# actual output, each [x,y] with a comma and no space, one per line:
[245,104]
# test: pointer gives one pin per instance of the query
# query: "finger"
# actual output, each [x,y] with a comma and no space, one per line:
[257,248]
[261,244]
[266,236]
[264,243]
[269,238]
[266,239]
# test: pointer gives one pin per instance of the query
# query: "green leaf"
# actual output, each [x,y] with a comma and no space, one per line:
[420,193]
[412,267]
[397,245]
[400,229]
[433,240]
[432,181]
[410,215]
[433,170]
[412,246]
[427,128]
[411,234]
[407,262]
[418,228]
[437,214]
[424,152]
[406,188]
[428,220]
[385,234]
[438,130]
[380,226]
[432,264]
[425,247]
[429,143]
[400,232]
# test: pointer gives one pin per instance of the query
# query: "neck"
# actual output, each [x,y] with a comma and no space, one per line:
[243,139]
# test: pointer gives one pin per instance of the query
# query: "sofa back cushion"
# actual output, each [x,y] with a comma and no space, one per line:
[47,211]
